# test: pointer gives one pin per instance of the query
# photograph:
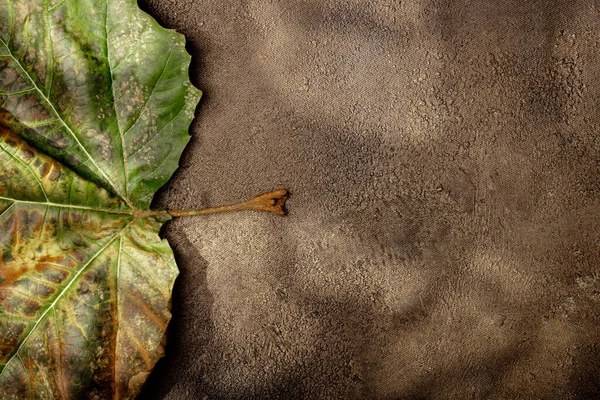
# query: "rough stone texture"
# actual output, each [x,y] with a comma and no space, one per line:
[443,240]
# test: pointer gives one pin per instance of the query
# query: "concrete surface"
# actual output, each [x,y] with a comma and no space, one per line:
[443,240]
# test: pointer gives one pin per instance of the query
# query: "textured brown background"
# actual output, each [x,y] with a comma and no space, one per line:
[443,240]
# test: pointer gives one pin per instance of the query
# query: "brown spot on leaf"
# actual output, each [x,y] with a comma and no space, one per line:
[27,108]
[30,222]
[78,255]
[55,173]
[30,307]
[76,218]
[42,262]
[11,273]
[10,142]
[9,337]
[26,154]
[83,288]
[52,274]
[44,292]
[58,140]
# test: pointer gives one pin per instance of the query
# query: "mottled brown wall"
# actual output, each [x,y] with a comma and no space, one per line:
[443,240]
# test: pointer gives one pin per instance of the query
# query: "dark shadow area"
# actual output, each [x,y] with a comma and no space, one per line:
[584,380]
[350,20]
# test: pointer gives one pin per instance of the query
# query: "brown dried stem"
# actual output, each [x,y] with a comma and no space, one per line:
[273,202]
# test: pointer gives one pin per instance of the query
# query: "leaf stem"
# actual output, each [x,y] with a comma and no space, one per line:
[273,202]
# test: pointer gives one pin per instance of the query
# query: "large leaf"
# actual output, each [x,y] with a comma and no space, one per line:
[95,104]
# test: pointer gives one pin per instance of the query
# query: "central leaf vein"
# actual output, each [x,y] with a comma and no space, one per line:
[71,206]
[114,104]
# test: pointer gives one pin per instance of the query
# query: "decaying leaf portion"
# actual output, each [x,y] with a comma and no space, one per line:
[95,104]
[84,291]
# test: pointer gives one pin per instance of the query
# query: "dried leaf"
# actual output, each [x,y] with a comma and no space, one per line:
[95,104]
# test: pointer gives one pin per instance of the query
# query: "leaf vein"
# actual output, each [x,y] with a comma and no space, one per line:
[72,206]
[114,105]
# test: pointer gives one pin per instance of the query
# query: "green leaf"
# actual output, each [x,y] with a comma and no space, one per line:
[95,104]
